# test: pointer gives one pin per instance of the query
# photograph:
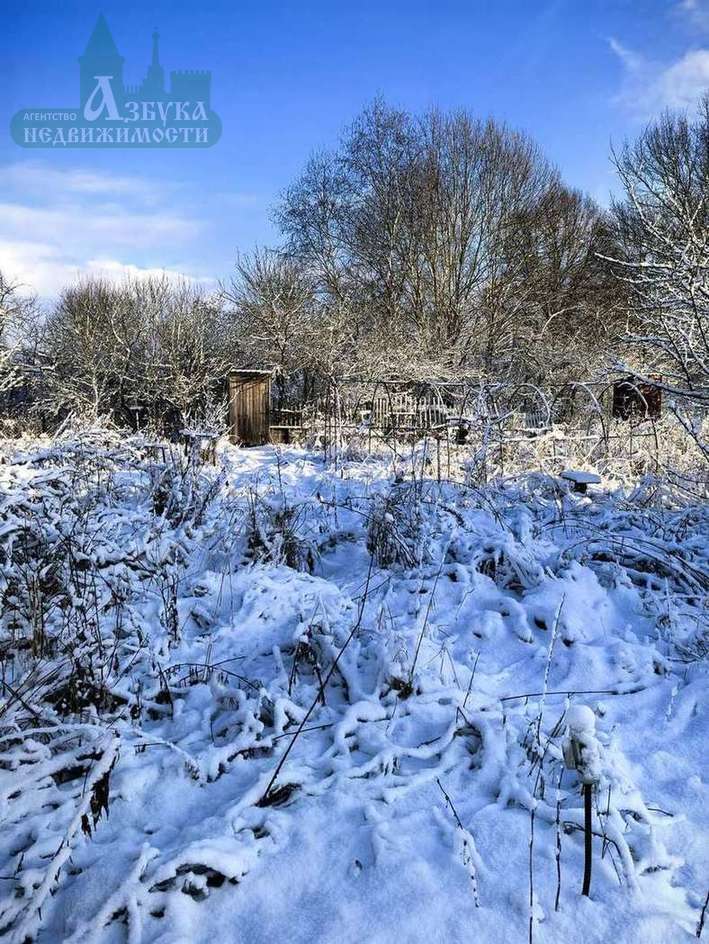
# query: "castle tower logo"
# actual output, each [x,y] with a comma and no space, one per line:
[114,115]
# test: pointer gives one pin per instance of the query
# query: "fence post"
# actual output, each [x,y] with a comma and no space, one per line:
[588,837]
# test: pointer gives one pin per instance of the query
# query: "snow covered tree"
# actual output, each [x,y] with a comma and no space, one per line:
[146,346]
[448,244]
[271,307]
[17,311]
[662,233]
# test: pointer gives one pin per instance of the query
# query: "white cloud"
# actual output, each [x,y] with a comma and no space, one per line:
[41,178]
[97,226]
[56,225]
[116,271]
[42,269]
[36,266]
[694,12]
[649,87]
[632,61]
[684,82]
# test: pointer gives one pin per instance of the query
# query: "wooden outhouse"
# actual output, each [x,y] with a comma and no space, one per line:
[249,406]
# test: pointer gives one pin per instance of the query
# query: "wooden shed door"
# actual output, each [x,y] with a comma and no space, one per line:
[249,400]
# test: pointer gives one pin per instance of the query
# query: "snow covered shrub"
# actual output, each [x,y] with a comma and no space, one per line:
[73,563]
[395,531]
[694,647]
[278,532]
[56,781]
[168,582]
[181,489]
[509,559]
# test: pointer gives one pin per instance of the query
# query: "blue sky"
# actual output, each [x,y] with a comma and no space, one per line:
[286,79]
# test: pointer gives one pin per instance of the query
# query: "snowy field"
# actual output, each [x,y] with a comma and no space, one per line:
[278,701]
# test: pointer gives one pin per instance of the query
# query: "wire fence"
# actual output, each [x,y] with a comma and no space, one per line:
[486,430]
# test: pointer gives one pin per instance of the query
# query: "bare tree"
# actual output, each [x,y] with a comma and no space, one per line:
[18,314]
[145,347]
[271,309]
[437,243]
[662,233]
[85,369]
[189,354]
[571,310]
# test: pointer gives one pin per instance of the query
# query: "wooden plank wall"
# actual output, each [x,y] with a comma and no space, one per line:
[249,404]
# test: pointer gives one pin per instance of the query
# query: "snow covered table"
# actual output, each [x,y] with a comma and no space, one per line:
[581,480]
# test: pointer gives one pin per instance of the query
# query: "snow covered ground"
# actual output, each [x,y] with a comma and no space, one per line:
[283,701]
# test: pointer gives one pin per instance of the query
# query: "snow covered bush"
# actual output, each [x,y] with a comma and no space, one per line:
[395,530]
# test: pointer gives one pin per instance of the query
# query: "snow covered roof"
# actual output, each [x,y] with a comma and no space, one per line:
[250,372]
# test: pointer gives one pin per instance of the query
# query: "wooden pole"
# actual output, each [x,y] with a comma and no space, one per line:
[588,837]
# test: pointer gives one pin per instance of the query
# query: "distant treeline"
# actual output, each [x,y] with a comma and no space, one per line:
[422,247]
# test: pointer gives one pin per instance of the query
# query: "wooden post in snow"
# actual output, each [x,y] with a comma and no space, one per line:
[588,837]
